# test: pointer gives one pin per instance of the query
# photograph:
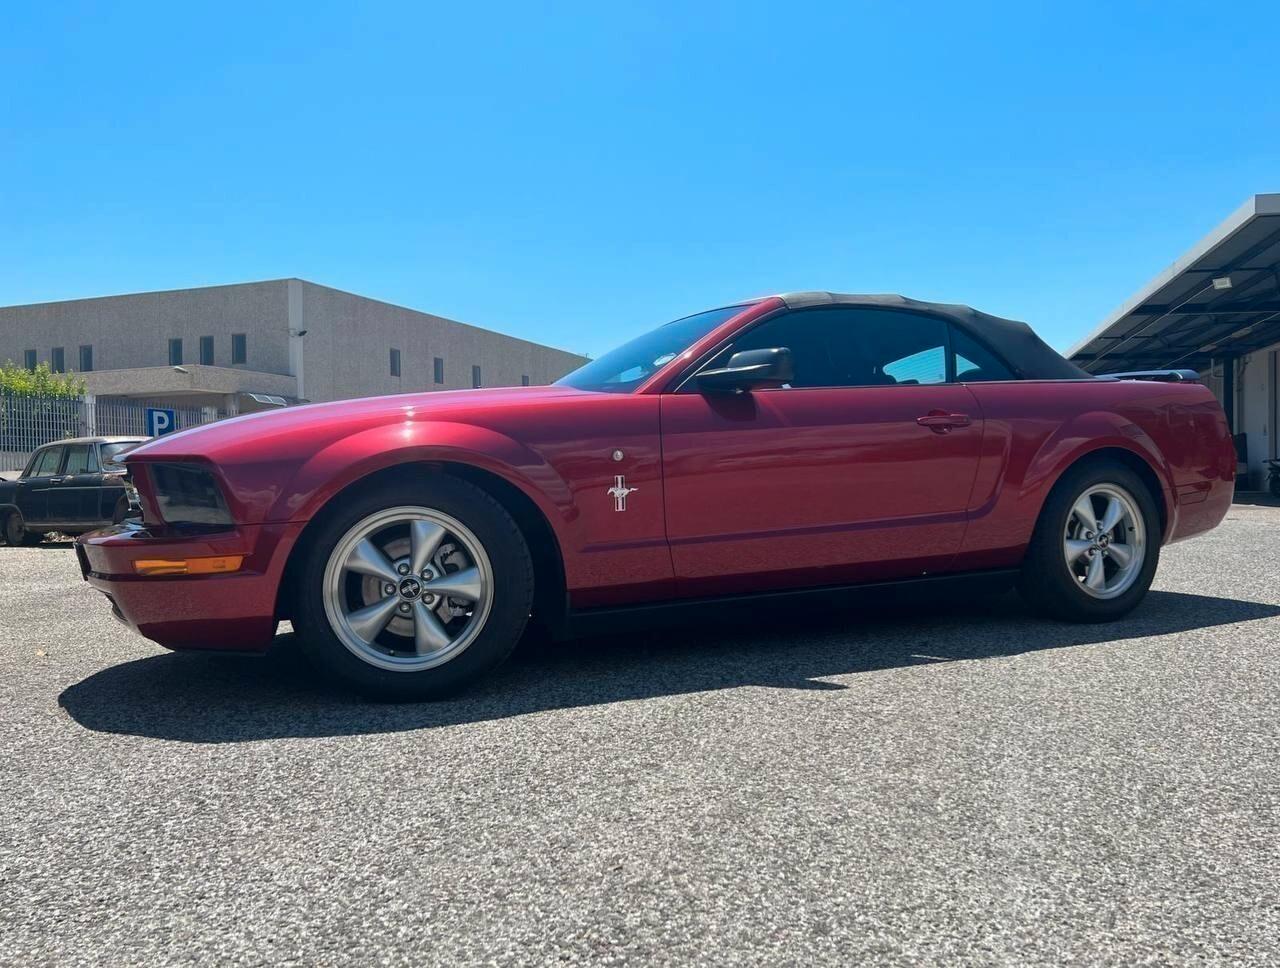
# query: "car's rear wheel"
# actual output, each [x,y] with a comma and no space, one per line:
[1095,547]
[414,591]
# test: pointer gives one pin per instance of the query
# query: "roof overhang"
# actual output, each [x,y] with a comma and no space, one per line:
[1220,299]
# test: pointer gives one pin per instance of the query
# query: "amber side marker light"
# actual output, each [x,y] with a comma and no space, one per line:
[152,567]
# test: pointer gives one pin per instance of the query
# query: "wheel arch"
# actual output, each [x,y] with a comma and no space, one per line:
[550,589]
[1134,461]
[6,512]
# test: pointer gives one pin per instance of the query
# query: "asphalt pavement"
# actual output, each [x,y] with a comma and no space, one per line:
[937,785]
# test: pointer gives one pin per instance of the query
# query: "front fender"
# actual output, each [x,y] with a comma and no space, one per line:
[349,459]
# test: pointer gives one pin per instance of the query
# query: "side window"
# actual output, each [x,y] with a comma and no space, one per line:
[839,347]
[46,463]
[77,459]
[928,365]
[974,362]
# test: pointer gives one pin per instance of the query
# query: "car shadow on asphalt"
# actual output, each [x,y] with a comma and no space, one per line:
[203,698]
[218,699]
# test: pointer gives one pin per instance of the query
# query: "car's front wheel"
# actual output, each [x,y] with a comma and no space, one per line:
[1095,547]
[16,533]
[414,591]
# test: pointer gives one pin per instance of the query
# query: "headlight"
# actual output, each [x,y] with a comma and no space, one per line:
[188,494]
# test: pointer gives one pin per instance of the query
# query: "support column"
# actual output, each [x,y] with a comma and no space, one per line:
[1273,411]
[1229,389]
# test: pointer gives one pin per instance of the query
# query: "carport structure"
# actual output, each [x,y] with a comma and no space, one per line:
[1216,310]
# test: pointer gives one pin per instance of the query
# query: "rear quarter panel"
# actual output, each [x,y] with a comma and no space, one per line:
[1034,431]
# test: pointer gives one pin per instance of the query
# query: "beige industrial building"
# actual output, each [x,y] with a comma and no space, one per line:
[241,347]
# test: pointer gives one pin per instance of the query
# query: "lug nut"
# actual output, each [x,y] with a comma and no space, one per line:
[404,606]
[388,589]
[402,569]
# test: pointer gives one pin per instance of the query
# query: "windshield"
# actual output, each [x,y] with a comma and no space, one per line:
[111,453]
[624,369]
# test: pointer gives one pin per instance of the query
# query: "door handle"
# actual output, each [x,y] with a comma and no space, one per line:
[56,480]
[942,422]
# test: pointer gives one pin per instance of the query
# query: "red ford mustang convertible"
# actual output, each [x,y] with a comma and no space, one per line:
[807,443]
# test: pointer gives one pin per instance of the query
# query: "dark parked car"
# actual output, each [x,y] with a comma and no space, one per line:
[72,486]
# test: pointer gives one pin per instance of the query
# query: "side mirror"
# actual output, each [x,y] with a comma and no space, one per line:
[750,370]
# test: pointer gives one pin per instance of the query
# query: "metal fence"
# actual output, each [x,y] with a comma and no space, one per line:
[28,422]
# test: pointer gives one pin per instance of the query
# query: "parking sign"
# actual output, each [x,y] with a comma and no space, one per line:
[160,422]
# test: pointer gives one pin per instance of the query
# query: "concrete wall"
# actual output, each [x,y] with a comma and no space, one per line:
[347,349]
[164,381]
[134,330]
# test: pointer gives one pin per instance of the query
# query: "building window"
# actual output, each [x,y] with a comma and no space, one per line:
[524,379]
[439,366]
[475,376]
[395,362]
[175,352]
[86,359]
[239,348]
[206,350]
[58,361]
[29,359]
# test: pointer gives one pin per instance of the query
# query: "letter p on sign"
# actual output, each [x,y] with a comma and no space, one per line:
[160,422]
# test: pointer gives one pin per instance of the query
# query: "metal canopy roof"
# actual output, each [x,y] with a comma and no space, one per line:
[1190,314]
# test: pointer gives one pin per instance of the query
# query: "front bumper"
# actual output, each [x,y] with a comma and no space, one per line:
[229,612]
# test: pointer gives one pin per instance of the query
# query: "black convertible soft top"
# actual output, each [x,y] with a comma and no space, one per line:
[1030,356]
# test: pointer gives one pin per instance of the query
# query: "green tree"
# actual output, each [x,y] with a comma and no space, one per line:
[40,382]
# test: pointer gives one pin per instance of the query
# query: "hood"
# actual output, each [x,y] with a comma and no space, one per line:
[351,415]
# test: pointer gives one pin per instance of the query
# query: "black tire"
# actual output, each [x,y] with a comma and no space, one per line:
[121,510]
[16,533]
[513,578]
[1273,483]
[1048,584]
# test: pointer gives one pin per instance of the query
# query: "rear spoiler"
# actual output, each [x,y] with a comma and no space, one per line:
[1156,376]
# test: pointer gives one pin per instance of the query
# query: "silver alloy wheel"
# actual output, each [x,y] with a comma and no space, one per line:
[408,589]
[1105,541]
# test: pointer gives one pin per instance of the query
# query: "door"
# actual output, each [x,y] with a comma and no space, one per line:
[859,470]
[33,487]
[75,493]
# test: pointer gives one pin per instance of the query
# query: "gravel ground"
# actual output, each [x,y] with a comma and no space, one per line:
[966,785]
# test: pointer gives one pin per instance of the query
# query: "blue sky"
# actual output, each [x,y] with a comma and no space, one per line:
[576,174]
